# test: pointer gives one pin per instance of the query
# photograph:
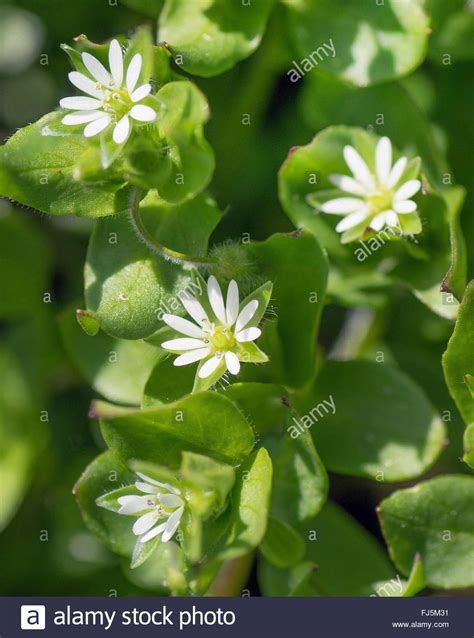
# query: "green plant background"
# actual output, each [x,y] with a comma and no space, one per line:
[47,366]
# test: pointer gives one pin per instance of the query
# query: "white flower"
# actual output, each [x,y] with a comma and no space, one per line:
[215,338]
[112,97]
[160,507]
[378,199]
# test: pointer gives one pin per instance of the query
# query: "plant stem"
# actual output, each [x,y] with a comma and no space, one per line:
[153,244]
[232,577]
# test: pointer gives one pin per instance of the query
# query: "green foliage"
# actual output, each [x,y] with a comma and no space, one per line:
[162,433]
[417,521]
[350,401]
[370,43]
[209,37]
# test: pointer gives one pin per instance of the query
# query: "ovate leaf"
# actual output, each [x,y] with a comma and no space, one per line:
[205,423]
[209,37]
[434,519]
[37,169]
[364,43]
[369,419]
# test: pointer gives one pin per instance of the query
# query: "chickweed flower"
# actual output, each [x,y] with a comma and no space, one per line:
[159,508]
[112,97]
[376,200]
[216,337]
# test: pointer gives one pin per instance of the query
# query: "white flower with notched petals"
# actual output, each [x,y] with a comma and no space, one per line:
[112,98]
[159,507]
[376,199]
[214,338]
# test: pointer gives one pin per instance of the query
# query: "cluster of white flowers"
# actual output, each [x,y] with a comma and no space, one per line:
[377,199]
[113,98]
[160,507]
[216,338]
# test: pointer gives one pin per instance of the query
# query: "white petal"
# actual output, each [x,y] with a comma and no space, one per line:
[392,218]
[183,325]
[215,298]
[246,314]
[81,117]
[191,357]
[142,113]
[142,92]
[80,103]
[183,344]
[83,83]
[96,69]
[194,308]
[396,172]
[172,525]
[133,72]
[249,334]
[351,220]
[121,130]
[347,184]
[116,62]
[153,532]
[383,159]
[167,486]
[97,126]
[378,221]
[170,500]
[342,205]
[145,522]
[132,504]
[209,367]
[145,487]
[232,362]
[402,208]
[408,189]
[232,303]
[358,167]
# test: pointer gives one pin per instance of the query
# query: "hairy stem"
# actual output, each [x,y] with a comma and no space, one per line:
[153,244]
[232,577]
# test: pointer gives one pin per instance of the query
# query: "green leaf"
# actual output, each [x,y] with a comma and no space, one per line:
[458,360]
[263,404]
[104,474]
[344,560]
[213,479]
[455,280]
[191,159]
[434,519]
[469,445]
[250,506]
[300,481]
[162,571]
[127,288]
[282,546]
[298,268]
[167,383]
[115,368]
[369,419]
[364,44]
[25,266]
[205,423]
[37,169]
[211,36]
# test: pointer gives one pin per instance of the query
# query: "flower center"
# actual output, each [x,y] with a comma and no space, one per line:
[222,339]
[116,101]
[380,200]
